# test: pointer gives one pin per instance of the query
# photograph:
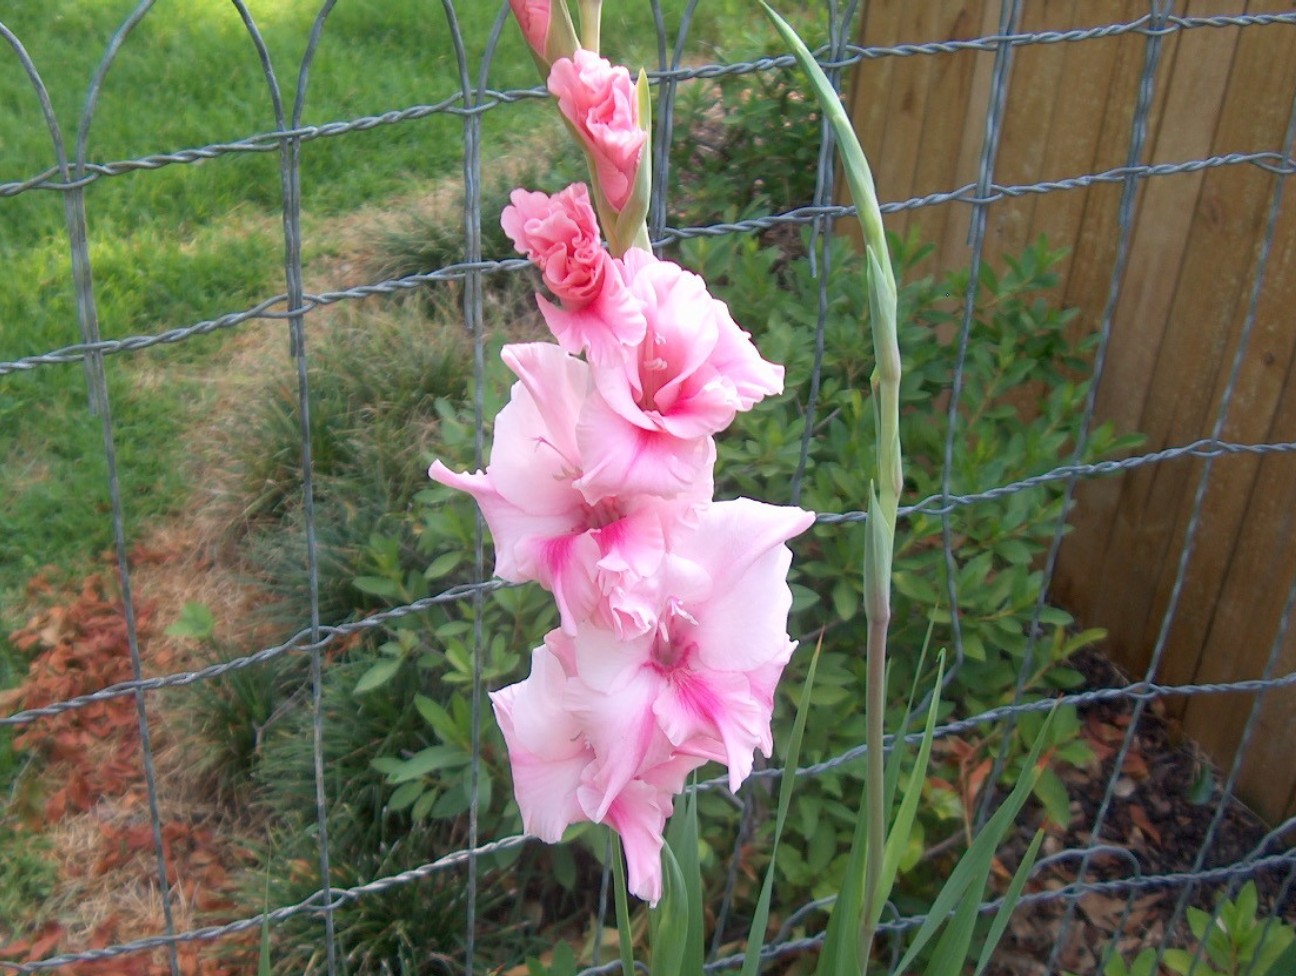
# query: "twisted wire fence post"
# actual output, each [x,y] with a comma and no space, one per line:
[97,384]
[290,179]
[1009,17]
[69,178]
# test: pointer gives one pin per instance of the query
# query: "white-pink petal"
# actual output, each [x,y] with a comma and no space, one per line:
[547,754]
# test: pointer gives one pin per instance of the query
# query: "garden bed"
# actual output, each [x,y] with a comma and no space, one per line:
[1164,802]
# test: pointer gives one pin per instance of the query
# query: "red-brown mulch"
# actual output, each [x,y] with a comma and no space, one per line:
[91,768]
[1156,816]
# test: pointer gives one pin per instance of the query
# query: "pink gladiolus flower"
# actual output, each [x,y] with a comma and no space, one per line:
[704,677]
[533,17]
[606,729]
[592,557]
[551,758]
[649,427]
[560,234]
[600,102]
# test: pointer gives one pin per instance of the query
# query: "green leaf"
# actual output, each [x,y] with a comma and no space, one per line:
[377,676]
[1245,906]
[829,695]
[1011,897]
[425,761]
[1078,752]
[263,961]
[195,622]
[563,962]
[1085,638]
[951,951]
[437,717]
[1197,922]
[424,805]
[624,935]
[1203,787]
[897,840]
[841,951]
[669,921]
[1285,964]
[1064,678]
[802,597]
[967,880]
[682,843]
[377,586]
[443,565]
[405,795]
[1015,551]
[844,600]
[760,920]
[563,866]
[1052,793]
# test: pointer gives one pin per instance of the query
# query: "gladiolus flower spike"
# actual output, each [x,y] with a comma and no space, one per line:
[673,607]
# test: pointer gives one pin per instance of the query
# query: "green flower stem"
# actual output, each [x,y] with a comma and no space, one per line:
[591,15]
[622,907]
[884,494]
[874,785]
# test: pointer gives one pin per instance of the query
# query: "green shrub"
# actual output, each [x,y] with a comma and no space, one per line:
[751,144]
[381,397]
[418,926]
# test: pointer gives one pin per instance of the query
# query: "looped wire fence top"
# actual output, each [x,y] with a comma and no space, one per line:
[1008,37]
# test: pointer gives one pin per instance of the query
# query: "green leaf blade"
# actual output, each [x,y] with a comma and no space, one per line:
[760,920]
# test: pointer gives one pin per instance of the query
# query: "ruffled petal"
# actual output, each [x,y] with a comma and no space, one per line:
[623,459]
[622,732]
[713,705]
[547,754]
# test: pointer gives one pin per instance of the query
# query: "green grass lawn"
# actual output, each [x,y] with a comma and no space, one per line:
[188,242]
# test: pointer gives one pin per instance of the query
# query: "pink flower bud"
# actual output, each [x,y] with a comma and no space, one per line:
[600,102]
[560,234]
[533,17]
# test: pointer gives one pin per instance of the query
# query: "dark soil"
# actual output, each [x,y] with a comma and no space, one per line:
[1162,815]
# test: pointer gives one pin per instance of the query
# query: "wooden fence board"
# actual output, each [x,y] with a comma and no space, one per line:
[939,160]
[952,247]
[1178,384]
[1177,323]
[1032,86]
[1242,198]
[1070,144]
[1236,203]
[1193,82]
[1262,561]
[903,103]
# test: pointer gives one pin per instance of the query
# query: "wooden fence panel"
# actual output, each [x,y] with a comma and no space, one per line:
[1182,306]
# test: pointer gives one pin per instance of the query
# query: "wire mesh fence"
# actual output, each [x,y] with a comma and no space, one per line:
[1099,866]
